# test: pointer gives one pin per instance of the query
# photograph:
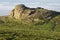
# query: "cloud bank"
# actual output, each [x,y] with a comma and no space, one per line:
[7,5]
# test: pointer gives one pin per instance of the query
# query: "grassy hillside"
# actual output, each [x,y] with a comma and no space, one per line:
[12,29]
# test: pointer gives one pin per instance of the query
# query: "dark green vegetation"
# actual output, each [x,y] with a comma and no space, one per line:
[12,29]
[46,28]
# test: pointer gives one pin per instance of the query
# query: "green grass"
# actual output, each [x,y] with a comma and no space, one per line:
[11,29]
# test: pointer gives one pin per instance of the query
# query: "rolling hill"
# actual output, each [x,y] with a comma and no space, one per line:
[24,23]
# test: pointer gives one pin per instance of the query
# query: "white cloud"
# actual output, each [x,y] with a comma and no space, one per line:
[9,6]
[5,6]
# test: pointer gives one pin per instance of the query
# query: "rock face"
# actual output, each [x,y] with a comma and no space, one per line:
[22,12]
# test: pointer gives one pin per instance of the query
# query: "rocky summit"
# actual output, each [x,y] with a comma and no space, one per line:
[22,12]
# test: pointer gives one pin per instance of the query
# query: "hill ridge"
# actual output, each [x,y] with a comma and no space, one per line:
[22,12]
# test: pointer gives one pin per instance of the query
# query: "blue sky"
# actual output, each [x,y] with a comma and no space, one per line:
[7,5]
